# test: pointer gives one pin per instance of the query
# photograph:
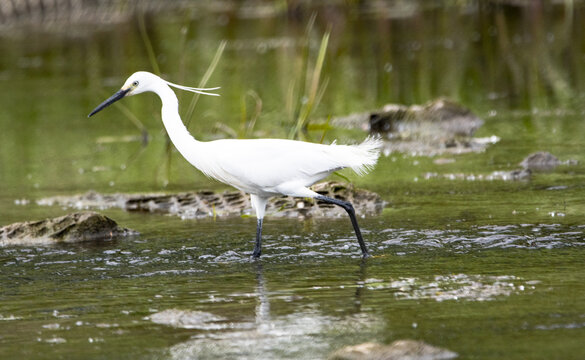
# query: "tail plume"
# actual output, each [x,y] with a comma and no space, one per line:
[367,154]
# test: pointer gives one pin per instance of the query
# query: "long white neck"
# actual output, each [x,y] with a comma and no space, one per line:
[187,145]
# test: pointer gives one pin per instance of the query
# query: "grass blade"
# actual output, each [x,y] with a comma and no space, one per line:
[204,80]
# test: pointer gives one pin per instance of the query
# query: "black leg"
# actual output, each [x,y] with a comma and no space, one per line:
[347,206]
[258,247]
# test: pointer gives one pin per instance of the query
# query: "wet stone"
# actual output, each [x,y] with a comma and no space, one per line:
[230,203]
[76,227]
[398,350]
[540,161]
[440,119]
[365,202]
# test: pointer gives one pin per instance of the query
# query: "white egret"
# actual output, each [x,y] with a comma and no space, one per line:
[259,167]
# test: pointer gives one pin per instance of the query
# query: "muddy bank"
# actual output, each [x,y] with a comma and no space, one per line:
[203,204]
[71,228]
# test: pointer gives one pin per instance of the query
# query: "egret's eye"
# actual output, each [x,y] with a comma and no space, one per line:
[135,84]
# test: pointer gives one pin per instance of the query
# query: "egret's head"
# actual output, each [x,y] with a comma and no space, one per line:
[139,82]
[142,81]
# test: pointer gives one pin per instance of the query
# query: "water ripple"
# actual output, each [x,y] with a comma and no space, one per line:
[453,287]
[166,256]
[525,236]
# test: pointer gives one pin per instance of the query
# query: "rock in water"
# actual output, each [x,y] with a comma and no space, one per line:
[540,161]
[398,350]
[76,227]
[188,319]
[440,120]
[366,203]
[438,127]
[203,204]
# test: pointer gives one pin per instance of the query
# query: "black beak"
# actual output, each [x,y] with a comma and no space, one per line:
[112,99]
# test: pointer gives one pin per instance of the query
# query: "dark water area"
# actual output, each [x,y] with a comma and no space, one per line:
[484,268]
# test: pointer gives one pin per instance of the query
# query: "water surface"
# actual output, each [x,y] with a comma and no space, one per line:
[488,269]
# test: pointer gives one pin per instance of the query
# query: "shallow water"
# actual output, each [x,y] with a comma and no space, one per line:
[483,292]
[488,269]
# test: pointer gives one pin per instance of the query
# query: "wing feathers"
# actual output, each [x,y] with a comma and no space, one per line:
[267,163]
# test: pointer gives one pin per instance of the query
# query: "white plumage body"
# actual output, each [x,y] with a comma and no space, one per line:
[260,167]
[267,167]
[263,167]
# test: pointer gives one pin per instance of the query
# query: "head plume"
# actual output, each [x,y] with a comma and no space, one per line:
[202,91]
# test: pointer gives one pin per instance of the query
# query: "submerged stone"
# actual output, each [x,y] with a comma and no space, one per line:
[229,203]
[186,319]
[452,287]
[76,227]
[398,350]
[513,175]
[541,161]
